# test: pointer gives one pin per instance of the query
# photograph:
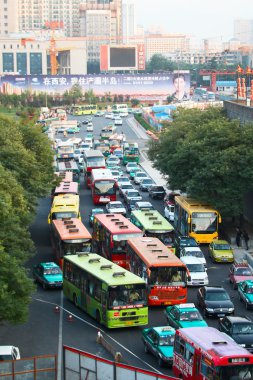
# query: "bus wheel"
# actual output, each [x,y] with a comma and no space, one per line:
[98,318]
[75,300]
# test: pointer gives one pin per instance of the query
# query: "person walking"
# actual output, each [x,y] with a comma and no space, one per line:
[245,238]
[238,237]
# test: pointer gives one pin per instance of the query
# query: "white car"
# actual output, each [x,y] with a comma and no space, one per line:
[123,187]
[89,127]
[122,179]
[112,161]
[88,140]
[9,353]
[169,212]
[115,174]
[118,120]
[193,252]
[198,273]
[115,207]
[139,176]
[130,166]
[109,115]
[123,114]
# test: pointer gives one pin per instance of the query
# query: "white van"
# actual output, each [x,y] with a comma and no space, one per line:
[193,252]
[9,353]
[198,273]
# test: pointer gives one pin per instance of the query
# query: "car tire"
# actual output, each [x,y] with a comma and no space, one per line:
[247,306]
[44,286]
[146,348]
[160,362]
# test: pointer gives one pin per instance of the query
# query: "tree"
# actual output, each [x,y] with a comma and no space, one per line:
[207,156]
[75,93]
[159,62]
[135,102]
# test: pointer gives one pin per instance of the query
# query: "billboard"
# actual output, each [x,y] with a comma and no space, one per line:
[124,57]
[153,87]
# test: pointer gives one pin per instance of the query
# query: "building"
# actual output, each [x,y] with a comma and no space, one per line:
[243,31]
[165,44]
[32,57]
[128,21]
[8,17]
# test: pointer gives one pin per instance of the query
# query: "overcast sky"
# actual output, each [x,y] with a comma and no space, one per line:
[200,18]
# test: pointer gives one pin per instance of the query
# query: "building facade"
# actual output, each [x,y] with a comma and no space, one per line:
[165,44]
[243,31]
[8,17]
[128,21]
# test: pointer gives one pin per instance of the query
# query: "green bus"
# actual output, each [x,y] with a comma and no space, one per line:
[153,224]
[131,153]
[113,296]
[84,109]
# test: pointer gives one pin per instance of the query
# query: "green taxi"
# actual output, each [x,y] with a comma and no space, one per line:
[221,251]
[184,315]
[133,171]
[49,275]
[245,291]
[94,212]
[159,341]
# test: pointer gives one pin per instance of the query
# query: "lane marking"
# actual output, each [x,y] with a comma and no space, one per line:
[59,366]
[102,331]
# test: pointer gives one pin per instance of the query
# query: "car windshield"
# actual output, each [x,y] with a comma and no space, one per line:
[147,181]
[123,179]
[166,340]
[132,194]
[243,272]
[141,175]
[188,243]
[243,328]
[249,290]
[52,271]
[190,316]
[222,247]
[116,205]
[217,296]
[196,267]
[194,253]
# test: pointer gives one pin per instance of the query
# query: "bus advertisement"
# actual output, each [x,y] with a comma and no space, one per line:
[196,219]
[113,296]
[164,273]
[204,353]
[69,236]
[110,234]
[92,159]
[131,153]
[84,109]
[64,206]
[103,186]
[153,224]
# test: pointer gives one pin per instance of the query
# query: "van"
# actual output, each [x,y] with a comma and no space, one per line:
[198,272]
[210,96]
[9,353]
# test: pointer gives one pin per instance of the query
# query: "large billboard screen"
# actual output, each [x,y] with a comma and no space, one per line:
[122,57]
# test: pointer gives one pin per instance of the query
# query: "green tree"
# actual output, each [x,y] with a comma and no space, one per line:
[159,62]
[90,97]
[75,93]
[207,156]
[135,102]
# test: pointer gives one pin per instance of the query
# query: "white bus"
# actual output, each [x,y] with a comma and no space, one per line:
[120,109]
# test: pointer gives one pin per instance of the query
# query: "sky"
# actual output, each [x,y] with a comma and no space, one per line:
[198,18]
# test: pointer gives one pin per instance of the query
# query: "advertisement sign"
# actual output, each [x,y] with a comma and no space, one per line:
[139,86]
[141,57]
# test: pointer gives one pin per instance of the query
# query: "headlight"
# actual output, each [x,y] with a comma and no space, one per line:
[209,309]
[242,345]
[230,309]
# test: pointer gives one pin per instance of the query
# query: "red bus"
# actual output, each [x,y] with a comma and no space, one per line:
[69,236]
[150,259]
[110,234]
[103,186]
[204,353]
[92,159]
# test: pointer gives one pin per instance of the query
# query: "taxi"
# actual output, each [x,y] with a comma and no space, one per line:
[245,291]
[159,341]
[184,315]
[239,271]
[49,275]
[220,251]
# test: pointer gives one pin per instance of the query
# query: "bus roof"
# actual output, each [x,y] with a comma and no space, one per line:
[110,273]
[154,253]
[65,176]
[71,229]
[66,200]
[152,220]
[92,153]
[214,343]
[68,165]
[193,205]
[104,174]
[117,224]
[66,187]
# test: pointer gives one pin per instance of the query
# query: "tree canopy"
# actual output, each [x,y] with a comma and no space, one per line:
[26,173]
[207,156]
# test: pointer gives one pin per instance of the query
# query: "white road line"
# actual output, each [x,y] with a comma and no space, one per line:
[59,365]
[102,331]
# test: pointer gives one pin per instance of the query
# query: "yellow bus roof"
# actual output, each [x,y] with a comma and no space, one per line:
[192,205]
[65,201]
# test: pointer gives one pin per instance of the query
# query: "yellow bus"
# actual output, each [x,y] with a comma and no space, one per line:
[64,206]
[84,109]
[196,219]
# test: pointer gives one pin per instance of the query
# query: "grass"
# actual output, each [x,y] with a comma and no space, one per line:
[8,112]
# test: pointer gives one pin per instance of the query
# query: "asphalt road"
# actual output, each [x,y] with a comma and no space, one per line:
[46,331]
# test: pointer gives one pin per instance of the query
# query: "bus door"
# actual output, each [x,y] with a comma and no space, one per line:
[104,297]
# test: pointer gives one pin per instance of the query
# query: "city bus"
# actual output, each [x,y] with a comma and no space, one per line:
[110,234]
[103,186]
[64,206]
[196,219]
[103,146]
[131,153]
[107,132]
[113,296]
[65,176]
[68,237]
[120,108]
[204,353]
[70,166]
[65,151]
[92,159]
[151,260]
[153,224]
[65,187]
[84,109]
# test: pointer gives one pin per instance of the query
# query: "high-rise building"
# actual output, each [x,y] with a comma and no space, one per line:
[8,17]
[128,21]
[243,31]
[165,43]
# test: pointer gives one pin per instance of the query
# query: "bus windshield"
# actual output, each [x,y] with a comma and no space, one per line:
[95,161]
[127,295]
[104,187]
[167,276]
[165,237]
[238,372]
[204,222]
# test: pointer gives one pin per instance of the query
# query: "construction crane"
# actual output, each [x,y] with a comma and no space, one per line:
[53,25]
[213,74]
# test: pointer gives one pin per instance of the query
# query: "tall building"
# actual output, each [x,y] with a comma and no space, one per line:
[243,31]
[165,43]
[8,17]
[128,21]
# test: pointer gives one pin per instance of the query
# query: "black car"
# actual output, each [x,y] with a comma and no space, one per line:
[240,329]
[184,241]
[156,192]
[215,301]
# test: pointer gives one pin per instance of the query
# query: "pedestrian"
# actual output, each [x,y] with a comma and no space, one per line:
[245,238]
[238,236]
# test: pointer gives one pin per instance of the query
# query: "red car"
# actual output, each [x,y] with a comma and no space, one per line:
[239,272]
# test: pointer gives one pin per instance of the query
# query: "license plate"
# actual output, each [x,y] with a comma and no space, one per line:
[224,259]
[221,315]
[104,200]
[129,323]
[167,303]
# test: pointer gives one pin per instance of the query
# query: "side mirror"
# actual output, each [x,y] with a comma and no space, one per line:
[189,278]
